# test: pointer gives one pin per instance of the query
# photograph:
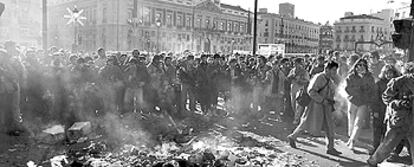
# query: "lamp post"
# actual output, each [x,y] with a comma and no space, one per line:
[158,24]
[44,24]
[255,27]
[232,46]
[135,23]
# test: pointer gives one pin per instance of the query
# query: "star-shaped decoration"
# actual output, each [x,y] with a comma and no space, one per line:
[75,16]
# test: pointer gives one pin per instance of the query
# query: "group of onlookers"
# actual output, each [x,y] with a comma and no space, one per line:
[67,87]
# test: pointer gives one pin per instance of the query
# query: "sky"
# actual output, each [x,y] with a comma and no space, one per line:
[320,11]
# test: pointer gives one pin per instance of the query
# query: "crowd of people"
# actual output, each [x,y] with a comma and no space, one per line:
[68,87]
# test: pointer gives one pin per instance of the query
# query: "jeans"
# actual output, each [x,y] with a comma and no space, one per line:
[328,127]
[357,115]
[391,140]
[297,109]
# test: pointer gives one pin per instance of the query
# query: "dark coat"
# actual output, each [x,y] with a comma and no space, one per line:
[360,90]
[398,90]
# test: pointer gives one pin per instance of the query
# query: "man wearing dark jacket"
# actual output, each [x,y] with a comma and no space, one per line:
[399,97]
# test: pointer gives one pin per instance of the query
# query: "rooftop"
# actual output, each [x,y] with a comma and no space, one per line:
[238,8]
[363,16]
[286,18]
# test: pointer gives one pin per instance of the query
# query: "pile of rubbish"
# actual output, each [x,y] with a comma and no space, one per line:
[244,149]
[187,143]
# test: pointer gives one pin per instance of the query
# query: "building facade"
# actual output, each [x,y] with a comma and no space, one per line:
[21,22]
[402,12]
[326,39]
[152,25]
[299,36]
[353,29]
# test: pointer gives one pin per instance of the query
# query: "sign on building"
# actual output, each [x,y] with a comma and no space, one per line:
[271,49]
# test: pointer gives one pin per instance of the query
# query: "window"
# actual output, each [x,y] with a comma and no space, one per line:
[338,38]
[198,21]
[207,22]
[179,21]
[362,29]
[338,29]
[169,19]
[157,17]
[188,22]
[229,27]
[147,15]
[353,29]
[236,27]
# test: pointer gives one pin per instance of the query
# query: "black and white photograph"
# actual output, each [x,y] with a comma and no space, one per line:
[206,83]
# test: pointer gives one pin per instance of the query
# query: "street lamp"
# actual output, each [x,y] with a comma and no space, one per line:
[158,24]
[232,46]
[135,23]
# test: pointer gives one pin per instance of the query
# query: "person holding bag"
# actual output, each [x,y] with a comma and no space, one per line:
[318,114]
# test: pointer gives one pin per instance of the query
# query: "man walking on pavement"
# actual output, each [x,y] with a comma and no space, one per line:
[318,114]
[398,97]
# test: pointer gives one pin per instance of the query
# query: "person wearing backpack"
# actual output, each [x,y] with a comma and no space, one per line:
[318,114]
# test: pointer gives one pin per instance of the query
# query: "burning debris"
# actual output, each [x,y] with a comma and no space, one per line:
[189,143]
[212,150]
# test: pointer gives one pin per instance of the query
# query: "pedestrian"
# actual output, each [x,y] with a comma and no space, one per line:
[275,87]
[318,67]
[379,127]
[375,65]
[285,66]
[300,79]
[360,87]
[101,61]
[318,115]
[186,76]
[259,75]
[154,89]
[398,97]
[9,95]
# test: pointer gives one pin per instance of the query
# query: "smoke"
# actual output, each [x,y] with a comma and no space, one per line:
[125,130]
[341,105]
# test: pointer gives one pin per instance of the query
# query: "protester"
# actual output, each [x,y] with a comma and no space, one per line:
[387,73]
[300,79]
[318,115]
[275,87]
[359,86]
[398,97]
